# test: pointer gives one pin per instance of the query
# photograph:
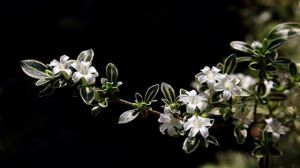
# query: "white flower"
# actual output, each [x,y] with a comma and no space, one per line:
[275,127]
[194,100]
[169,122]
[208,75]
[246,81]
[62,66]
[269,86]
[198,124]
[229,85]
[85,71]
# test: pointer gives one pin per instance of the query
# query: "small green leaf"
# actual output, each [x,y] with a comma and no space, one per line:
[138,97]
[151,93]
[111,72]
[230,64]
[87,94]
[275,44]
[168,92]
[293,70]
[190,144]
[277,97]
[261,89]
[258,151]
[34,69]
[275,151]
[42,81]
[96,111]
[245,59]
[241,46]
[240,135]
[254,66]
[270,68]
[127,116]
[47,90]
[213,140]
[103,103]
[86,56]
[283,61]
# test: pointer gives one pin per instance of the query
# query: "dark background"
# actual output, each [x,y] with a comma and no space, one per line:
[150,41]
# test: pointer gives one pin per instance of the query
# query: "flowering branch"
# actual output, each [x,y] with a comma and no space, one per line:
[260,101]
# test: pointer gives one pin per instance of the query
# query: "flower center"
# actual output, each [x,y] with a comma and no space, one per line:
[228,85]
[210,75]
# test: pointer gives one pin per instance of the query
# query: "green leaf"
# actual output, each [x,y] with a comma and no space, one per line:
[240,135]
[47,90]
[241,46]
[282,61]
[270,68]
[275,151]
[138,97]
[151,93]
[213,140]
[277,97]
[86,56]
[42,81]
[103,103]
[275,44]
[111,72]
[230,64]
[254,66]
[261,89]
[245,59]
[87,94]
[34,69]
[293,70]
[264,162]
[96,111]
[190,144]
[258,151]
[285,30]
[168,92]
[127,116]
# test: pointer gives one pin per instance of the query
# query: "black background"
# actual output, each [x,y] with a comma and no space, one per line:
[150,41]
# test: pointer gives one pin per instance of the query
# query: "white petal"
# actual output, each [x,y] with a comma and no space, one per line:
[204,132]
[190,108]
[90,79]
[202,78]
[218,87]
[171,131]
[188,125]
[162,128]
[54,63]
[77,65]
[193,132]
[93,71]
[211,83]
[192,93]
[205,70]
[167,110]
[202,106]
[215,69]
[226,95]
[63,59]
[56,70]
[76,77]
[163,118]
[68,71]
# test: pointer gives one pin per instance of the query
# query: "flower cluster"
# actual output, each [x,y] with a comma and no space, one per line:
[259,102]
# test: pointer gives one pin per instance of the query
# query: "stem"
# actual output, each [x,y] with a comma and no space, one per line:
[125,102]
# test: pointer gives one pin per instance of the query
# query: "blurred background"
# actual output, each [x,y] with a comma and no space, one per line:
[150,41]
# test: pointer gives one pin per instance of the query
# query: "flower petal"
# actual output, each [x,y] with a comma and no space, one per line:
[204,132]
[63,59]
[90,79]
[163,127]
[56,70]
[171,131]
[226,95]
[193,132]
[54,63]
[76,77]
